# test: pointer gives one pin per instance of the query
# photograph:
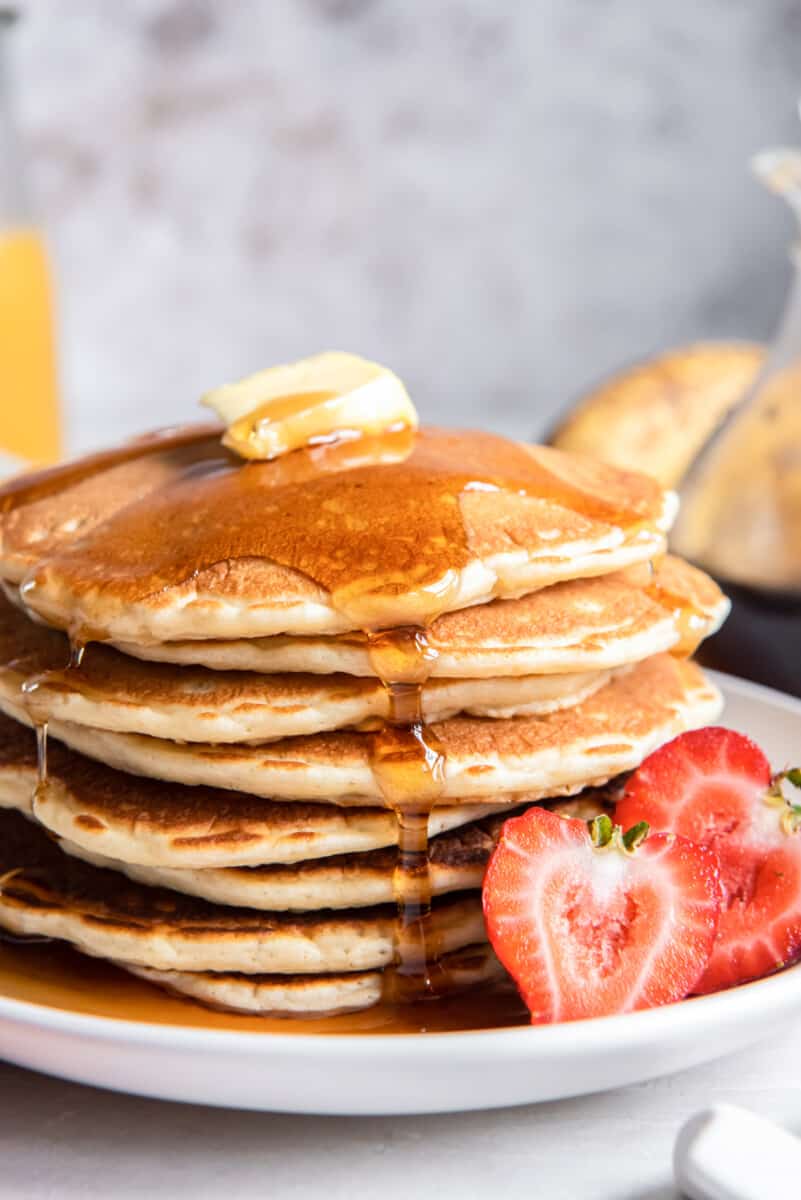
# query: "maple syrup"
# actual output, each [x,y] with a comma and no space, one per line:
[690,620]
[37,711]
[301,419]
[302,409]
[38,717]
[56,976]
[688,598]
[409,765]
[38,485]
[41,752]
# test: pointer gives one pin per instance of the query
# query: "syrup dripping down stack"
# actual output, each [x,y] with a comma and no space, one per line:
[288,703]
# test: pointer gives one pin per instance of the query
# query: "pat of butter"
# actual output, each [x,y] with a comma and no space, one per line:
[316,399]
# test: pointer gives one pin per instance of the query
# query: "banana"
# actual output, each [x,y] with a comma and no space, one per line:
[657,415]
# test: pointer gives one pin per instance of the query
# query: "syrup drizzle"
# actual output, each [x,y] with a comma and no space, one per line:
[34,711]
[691,624]
[37,709]
[687,610]
[409,765]
[37,485]
[41,753]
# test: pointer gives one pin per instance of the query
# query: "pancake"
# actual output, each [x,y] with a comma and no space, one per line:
[161,824]
[343,881]
[112,691]
[18,766]
[92,808]
[484,760]
[457,862]
[46,893]
[271,995]
[150,827]
[310,995]
[577,626]
[175,538]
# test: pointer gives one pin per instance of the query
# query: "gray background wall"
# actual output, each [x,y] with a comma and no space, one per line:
[501,200]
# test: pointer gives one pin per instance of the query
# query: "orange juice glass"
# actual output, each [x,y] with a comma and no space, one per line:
[30,426]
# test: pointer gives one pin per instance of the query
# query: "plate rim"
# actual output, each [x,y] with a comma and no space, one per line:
[574,1036]
[632,1028]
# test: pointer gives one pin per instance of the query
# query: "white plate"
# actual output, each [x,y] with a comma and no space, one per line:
[419,1073]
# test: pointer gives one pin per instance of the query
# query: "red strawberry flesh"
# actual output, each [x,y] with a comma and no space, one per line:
[589,931]
[711,786]
[703,785]
[760,929]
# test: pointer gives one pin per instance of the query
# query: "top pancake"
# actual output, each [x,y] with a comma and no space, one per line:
[175,538]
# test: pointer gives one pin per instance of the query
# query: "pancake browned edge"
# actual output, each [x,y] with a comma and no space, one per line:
[580,625]
[44,892]
[457,862]
[313,995]
[110,690]
[147,821]
[500,761]
[337,881]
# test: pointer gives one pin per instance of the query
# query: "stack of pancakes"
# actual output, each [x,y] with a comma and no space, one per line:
[258,679]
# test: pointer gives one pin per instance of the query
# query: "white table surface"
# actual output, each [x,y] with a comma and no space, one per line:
[60,1140]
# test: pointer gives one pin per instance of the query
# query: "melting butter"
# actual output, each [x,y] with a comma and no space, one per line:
[328,396]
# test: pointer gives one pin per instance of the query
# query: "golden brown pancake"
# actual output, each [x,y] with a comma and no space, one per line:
[457,861]
[106,807]
[18,765]
[112,691]
[155,824]
[184,540]
[577,626]
[311,995]
[485,760]
[44,892]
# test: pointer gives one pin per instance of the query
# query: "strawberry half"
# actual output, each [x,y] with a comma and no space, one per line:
[714,786]
[589,921]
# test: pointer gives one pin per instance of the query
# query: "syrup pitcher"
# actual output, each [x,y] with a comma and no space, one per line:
[30,429]
[741,499]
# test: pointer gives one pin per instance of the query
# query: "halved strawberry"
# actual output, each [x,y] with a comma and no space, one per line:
[590,921]
[714,786]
